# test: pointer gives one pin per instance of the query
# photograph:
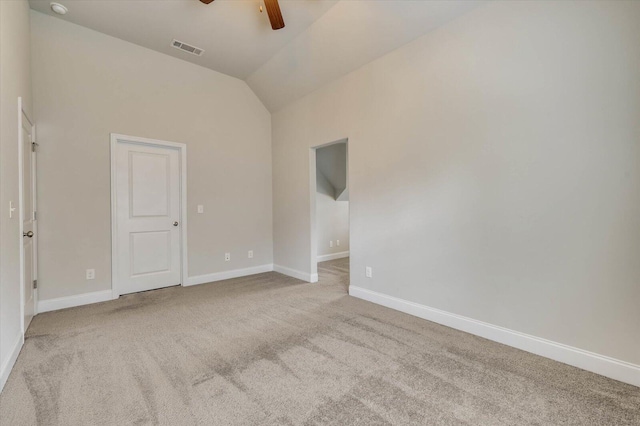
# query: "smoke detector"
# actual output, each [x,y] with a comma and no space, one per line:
[59,9]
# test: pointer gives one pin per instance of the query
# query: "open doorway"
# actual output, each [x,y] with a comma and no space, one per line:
[330,234]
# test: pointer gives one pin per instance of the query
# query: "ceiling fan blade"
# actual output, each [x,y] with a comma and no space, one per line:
[275,16]
[206,1]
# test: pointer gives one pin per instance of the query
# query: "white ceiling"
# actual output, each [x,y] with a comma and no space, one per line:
[322,40]
[236,37]
[351,34]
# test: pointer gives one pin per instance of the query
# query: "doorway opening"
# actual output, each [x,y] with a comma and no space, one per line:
[148,214]
[330,217]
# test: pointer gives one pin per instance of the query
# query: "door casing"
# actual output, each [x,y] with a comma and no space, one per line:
[182,148]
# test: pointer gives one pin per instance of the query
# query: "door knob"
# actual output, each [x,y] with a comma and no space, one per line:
[28,234]
[175,223]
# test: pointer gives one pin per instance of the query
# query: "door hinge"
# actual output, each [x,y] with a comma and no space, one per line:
[35,283]
[33,146]
[35,216]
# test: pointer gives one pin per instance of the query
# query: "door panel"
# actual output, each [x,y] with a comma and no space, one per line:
[150,252]
[148,242]
[149,197]
[28,225]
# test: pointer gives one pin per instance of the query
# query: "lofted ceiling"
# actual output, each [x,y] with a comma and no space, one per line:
[236,37]
[351,34]
[322,39]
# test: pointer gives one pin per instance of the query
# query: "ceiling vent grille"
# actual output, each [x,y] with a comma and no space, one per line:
[187,48]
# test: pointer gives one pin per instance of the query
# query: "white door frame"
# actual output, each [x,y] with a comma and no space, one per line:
[182,148]
[22,115]
[312,214]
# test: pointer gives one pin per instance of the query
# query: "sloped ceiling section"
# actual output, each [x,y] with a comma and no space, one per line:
[331,162]
[348,36]
[322,40]
[237,39]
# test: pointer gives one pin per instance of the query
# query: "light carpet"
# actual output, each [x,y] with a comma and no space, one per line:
[271,350]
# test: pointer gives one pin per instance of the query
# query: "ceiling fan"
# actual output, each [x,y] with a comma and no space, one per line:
[273,10]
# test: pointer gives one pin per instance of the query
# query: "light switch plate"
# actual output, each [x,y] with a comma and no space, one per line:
[200,208]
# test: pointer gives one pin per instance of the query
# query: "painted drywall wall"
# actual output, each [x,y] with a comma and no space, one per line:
[332,218]
[15,81]
[87,85]
[494,171]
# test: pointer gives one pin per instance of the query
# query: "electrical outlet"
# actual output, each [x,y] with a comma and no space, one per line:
[250,255]
[338,243]
[331,243]
[200,208]
[227,257]
[91,274]
[368,272]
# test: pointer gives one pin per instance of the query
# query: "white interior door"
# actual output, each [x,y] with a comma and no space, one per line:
[147,209]
[28,221]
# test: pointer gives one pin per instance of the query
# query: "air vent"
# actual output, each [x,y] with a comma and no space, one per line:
[187,48]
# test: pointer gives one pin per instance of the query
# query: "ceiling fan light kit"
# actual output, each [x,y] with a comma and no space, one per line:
[273,10]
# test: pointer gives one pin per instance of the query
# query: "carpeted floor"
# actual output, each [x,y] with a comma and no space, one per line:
[271,350]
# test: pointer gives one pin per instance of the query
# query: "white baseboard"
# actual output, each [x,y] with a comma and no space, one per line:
[596,363]
[103,296]
[304,276]
[72,301]
[7,366]
[226,275]
[332,256]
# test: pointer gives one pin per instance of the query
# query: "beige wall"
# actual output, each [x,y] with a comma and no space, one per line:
[87,85]
[15,81]
[494,170]
[332,218]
